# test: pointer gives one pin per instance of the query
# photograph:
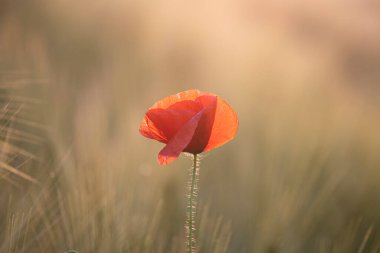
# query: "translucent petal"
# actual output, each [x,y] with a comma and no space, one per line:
[178,143]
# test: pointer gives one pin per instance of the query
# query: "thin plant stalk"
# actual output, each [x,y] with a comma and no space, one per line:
[192,195]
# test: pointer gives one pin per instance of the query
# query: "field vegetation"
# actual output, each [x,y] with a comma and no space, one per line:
[302,174]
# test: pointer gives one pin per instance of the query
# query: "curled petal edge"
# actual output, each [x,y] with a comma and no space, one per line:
[180,141]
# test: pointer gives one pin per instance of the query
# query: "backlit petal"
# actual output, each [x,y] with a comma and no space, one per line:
[178,143]
[225,125]
[187,105]
[169,122]
[185,95]
[202,133]
[149,130]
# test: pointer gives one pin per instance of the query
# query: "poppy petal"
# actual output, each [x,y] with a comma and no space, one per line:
[149,130]
[225,125]
[203,131]
[184,95]
[169,121]
[178,143]
[188,105]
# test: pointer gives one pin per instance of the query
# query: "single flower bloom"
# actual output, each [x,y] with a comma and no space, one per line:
[191,121]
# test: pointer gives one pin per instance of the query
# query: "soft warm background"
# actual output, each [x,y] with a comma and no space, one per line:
[302,174]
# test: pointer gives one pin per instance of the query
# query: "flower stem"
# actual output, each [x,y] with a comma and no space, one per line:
[192,204]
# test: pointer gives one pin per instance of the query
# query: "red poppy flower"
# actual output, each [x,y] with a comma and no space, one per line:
[190,121]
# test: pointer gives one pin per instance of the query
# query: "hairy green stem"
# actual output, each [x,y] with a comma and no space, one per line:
[192,201]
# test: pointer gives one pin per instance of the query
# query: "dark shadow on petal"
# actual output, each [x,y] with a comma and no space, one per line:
[182,138]
[203,132]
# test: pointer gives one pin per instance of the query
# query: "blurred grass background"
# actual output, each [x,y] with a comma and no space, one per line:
[76,77]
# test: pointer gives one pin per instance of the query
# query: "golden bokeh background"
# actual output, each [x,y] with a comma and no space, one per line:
[301,175]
